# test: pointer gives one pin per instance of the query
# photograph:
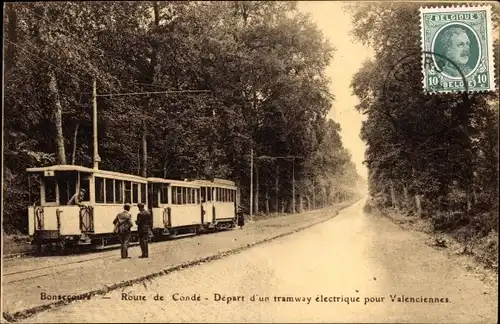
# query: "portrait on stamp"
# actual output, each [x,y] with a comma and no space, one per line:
[457,42]
[459,45]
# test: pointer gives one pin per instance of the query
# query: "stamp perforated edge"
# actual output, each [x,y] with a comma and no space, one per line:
[489,27]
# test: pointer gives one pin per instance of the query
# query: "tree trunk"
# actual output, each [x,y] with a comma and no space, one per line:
[419,206]
[150,78]
[277,188]
[314,195]
[405,194]
[301,203]
[393,196]
[75,136]
[144,169]
[267,202]
[57,110]
[12,35]
[256,201]
[139,160]
[282,205]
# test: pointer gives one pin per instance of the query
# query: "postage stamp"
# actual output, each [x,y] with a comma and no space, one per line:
[457,49]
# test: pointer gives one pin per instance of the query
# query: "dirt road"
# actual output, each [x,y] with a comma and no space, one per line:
[352,268]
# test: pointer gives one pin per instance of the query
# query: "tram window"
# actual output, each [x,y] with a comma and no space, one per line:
[143,193]
[50,189]
[118,192]
[203,193]
[153,195]
[174,195]
[128,192]
[209,194]
[85,185]
[67,187]
[110,190]
[135,193]
[99,190]
[184,195]
[195,192]
[164,193]
[179,195]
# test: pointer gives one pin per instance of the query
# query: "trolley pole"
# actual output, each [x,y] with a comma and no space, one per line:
[94,124]
[251,184]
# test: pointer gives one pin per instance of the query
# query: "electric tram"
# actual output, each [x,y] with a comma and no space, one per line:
[77,205]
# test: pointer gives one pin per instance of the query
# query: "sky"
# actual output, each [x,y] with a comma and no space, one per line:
[335,25]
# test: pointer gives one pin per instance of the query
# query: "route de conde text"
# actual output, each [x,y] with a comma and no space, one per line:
[320,298]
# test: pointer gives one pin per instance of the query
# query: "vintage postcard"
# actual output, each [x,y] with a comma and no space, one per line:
[250,162]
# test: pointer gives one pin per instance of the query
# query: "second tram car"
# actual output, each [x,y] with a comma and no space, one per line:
[175,206]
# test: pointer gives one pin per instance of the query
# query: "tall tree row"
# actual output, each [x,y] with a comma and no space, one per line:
[431,155]
[262,64]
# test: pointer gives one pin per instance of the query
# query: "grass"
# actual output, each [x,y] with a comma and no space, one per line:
[461,241]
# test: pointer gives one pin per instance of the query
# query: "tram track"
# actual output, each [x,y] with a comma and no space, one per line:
[45,270]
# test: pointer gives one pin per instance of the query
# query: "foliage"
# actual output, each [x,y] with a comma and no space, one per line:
[263,63]
[441,148]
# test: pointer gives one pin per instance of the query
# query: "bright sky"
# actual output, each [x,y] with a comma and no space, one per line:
[335,24]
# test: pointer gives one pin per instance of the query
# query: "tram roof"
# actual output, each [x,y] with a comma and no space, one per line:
[79,168]
[174,182]
[216,183]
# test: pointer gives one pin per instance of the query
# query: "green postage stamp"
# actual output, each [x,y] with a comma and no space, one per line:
[457,49]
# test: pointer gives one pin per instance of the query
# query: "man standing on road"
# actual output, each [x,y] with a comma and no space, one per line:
[240,217]
[144,224]
[123,224]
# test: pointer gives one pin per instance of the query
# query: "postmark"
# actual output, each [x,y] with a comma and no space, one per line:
[457,49]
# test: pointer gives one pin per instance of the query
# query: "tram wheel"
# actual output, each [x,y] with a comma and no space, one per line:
[61,247]
[38,249]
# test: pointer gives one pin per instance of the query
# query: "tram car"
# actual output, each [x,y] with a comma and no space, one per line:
[218,201]
[194,206]
[87,220]
[77,205]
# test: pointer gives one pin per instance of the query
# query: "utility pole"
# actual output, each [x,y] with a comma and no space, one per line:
[293,185]
[94,125]
[251,184]
[314,194]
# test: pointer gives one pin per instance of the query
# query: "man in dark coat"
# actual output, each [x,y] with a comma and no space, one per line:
[241,218]
[123,224]
[144,224]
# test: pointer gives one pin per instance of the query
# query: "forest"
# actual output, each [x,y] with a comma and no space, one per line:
[265,98]
[433,157]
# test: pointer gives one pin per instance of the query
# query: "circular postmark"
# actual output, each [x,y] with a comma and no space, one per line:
[459,43]
[409,67]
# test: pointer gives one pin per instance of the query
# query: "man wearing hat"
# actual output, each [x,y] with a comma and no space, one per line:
[144,224]
[123,224]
